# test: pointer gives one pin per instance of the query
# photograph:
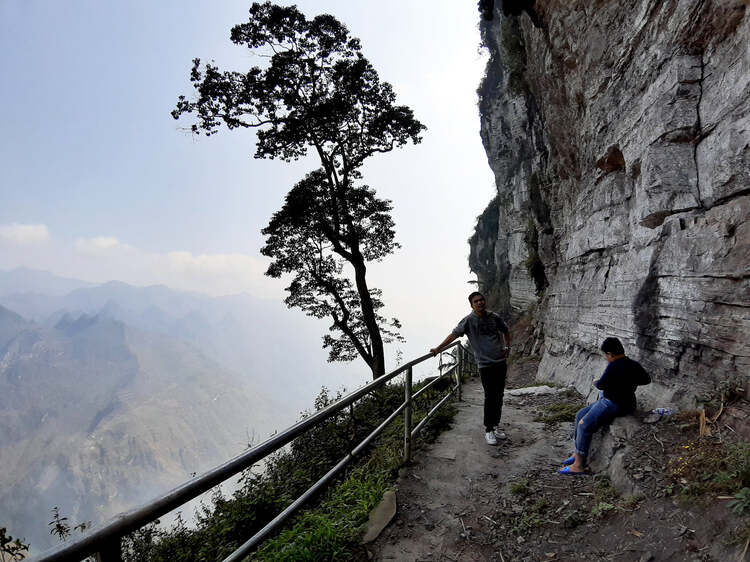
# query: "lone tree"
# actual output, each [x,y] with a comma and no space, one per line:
[316,92]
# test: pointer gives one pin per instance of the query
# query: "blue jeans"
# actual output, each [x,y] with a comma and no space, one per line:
[590,419]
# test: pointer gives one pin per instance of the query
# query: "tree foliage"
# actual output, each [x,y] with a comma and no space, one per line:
[304,241]
[316,93]
[11,549]
[59,525]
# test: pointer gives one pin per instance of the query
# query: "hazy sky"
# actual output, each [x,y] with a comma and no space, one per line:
[99,182]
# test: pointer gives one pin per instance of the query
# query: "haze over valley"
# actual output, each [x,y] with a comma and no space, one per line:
[111,394]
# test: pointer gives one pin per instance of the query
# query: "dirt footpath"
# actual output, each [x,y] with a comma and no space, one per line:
[448,497]
[464,500]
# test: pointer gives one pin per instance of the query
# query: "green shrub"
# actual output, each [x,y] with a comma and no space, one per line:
[708,467]
[327,530]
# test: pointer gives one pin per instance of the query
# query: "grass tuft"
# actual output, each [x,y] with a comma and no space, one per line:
[520,487]
[563,411]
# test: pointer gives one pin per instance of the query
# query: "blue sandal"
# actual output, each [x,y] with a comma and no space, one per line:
[566,471]
[570,460]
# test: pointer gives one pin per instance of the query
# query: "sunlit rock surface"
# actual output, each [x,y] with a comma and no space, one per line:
[619,136]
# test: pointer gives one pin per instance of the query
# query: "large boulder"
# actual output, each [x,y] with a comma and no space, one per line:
[608,449]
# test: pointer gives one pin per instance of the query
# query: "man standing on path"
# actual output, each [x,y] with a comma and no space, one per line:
[484,328]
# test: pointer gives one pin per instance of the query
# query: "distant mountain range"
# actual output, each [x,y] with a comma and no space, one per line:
[111,394]
[24,280]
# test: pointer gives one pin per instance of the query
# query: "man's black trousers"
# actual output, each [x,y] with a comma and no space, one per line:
[493,382]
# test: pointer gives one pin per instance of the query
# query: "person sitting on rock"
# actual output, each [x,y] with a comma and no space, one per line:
[617,398]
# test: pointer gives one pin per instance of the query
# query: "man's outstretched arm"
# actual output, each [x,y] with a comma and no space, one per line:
[443,344]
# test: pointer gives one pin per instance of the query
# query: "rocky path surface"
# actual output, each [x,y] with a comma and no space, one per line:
[464,500]
[447,498]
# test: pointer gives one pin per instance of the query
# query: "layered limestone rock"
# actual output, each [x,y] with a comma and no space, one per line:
[619,135]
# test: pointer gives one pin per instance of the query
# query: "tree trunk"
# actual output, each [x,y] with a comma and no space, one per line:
[368,315]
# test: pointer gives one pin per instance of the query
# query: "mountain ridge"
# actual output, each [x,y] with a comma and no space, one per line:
[113,398]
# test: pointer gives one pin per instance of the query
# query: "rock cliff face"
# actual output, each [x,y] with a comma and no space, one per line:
[619,135]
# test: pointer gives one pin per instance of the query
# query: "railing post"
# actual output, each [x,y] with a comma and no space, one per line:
[459,371]
[111,552]
[407,416]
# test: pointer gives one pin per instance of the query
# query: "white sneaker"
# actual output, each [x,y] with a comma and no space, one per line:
[490,438]
[500,435]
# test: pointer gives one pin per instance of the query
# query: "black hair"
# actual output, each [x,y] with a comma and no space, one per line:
[613,346]
[474,294]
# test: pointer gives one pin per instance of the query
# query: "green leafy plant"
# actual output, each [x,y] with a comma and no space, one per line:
[62,529]
[572,518]
[330,531]
[601,509]
[531,517]
[741,502]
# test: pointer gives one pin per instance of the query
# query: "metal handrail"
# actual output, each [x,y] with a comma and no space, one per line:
[258,537]
[103,541]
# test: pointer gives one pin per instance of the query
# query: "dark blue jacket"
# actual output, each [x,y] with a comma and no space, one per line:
[619,381]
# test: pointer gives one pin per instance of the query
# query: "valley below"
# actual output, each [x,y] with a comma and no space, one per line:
[111,395]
